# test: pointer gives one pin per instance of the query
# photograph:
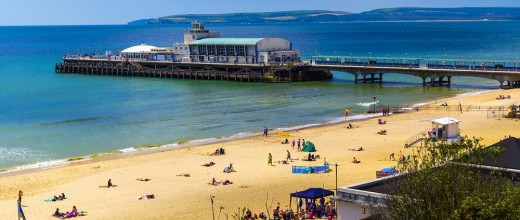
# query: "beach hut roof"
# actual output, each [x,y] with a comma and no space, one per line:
[445,121]
[313,193]
[143,48]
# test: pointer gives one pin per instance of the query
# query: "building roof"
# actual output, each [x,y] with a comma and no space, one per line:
[227,41]
[445,121]
[509,158]
[139,49]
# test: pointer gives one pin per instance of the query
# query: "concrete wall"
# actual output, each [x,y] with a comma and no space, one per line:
[273,44]
[350,211]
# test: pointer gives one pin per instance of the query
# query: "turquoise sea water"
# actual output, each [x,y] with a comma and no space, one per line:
[47,116]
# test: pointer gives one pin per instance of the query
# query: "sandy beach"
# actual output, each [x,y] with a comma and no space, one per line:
[181,197]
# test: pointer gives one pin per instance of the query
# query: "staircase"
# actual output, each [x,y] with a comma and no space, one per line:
[416,138]
[136,65]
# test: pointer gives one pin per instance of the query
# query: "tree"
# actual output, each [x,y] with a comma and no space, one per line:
[442,181]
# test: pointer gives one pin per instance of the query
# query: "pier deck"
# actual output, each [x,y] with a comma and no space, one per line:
[191,70]
[365,69]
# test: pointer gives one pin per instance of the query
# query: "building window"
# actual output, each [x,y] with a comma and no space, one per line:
[240,50]
[230,51]
[222,50]
[212,50]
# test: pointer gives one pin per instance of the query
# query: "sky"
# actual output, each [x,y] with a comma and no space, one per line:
[84,12]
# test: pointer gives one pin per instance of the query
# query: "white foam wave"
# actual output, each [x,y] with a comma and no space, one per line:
[128,150]
[366,104]
[39,165]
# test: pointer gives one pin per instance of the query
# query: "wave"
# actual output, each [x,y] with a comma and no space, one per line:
[366,104]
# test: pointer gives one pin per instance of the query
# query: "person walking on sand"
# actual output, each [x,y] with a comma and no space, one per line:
[298,142]
[20,193]
[270,160]
[293,143]
[289,156]
[265,131]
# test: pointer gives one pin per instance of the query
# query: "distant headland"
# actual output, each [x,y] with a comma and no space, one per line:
[387,14]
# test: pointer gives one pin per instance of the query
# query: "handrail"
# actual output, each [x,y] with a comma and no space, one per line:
[419,136]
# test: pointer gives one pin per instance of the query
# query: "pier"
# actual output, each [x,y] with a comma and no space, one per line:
[433,72]
[191,70]
[365,69]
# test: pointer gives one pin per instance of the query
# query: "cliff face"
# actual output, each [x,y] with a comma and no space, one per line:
[389,14]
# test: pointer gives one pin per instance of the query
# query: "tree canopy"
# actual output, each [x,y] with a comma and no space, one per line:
[444,181]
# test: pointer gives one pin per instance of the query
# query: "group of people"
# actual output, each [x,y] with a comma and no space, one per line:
[298,143]
[385,111]
[218,152]
[312,210]
[59,197]
[216,183]
[503,97]
[70,214]
[312,157]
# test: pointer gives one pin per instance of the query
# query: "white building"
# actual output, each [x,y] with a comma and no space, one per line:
[202,45]
[243,50]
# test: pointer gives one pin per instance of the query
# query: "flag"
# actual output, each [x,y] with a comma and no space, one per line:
[20,211]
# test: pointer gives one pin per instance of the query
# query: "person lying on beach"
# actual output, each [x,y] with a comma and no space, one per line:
[214,182]
[286,141]
[147,196]
[143,179]
[227,182]
[357,149]
[349,126]
[208,164]
[58,214]
[283,162]
[382,132]
[73,213]
[355,160]
[184,175]
[229,169]
[381,122]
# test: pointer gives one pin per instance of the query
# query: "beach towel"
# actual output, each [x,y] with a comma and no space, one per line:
[53,200]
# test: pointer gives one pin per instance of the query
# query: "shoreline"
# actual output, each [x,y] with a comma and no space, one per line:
[186,197]
[154,148]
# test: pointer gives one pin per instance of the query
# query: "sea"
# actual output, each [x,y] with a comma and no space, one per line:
[48,118]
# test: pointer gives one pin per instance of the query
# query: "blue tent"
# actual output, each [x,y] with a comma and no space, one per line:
[313,193]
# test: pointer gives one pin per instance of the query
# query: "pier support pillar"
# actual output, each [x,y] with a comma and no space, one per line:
[380,78]
[355,78]
[449,80]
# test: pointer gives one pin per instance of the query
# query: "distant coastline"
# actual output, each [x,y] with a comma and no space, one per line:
[325,16]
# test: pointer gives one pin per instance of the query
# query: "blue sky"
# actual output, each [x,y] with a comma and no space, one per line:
[67,12]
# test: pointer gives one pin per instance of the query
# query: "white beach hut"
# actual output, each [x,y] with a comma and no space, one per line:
[445,129]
